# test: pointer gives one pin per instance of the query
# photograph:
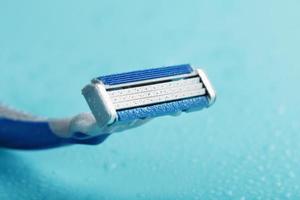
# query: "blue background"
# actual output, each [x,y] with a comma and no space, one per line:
[244,147]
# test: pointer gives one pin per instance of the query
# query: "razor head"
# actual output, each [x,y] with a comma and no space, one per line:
[148,93]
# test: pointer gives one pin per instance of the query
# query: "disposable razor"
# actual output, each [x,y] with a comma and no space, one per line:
[149,93]
[118,102]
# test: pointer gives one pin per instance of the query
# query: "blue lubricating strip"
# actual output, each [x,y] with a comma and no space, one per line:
[163,108]
[145,74]
[35,135]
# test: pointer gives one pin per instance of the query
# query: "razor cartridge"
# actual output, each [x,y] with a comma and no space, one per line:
[148,93]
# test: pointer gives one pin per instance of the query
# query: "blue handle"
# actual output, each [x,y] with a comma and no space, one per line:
[35,135]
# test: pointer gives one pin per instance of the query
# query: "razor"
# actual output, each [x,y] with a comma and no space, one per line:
[149,93]
[118,102]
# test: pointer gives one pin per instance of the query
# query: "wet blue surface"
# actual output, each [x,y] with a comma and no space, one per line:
[162,109]
[244,147]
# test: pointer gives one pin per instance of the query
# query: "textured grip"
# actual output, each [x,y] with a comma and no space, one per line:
[142,75]
[163,109]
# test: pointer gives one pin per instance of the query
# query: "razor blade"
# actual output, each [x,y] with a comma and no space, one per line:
[148,93]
